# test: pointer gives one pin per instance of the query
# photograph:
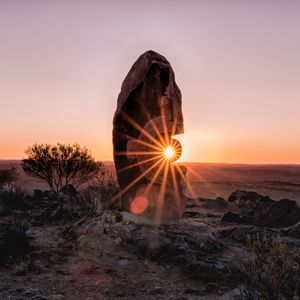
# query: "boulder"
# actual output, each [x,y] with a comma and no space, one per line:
[262,211]
[231,217]
[190,245]
[148,114]
[248,201]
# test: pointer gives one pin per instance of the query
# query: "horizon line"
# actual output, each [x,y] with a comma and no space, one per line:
[191,162]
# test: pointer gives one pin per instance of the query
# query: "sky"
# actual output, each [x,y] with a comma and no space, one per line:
[237,64]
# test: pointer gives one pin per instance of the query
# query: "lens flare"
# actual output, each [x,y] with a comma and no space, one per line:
[155,152]
[169,152]
[138,205]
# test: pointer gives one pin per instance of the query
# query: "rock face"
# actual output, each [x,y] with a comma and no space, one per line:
[148,114]
[192,246]
[262,211]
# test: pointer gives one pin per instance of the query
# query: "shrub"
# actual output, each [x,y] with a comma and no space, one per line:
[60,165]
[8,176]
[13,200]
[101,194]
[13,242]
[272,271]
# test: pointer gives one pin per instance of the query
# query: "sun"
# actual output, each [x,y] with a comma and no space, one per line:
[169,152]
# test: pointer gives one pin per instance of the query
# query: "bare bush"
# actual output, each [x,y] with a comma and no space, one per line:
[13,200]
[61,165]
[8,177]
[102,194]
[13,242]
[271,272]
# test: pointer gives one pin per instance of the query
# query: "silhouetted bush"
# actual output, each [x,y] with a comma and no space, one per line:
[60,165]
[8,176]
[102,194]
[13,200]
[13,242]
[271,272]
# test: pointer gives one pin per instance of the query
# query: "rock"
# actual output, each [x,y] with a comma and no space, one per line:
[281,213]
[21,269]
[123,263]
[192,246]
[63,272]
[148,114]
[209,215]
[57,297]
[37,267]
[31,292]
[194,291]
[247,201]
[292,231]
[263,211]
[97,237]
[109,216]
[41,297]
[118,241]
[218,203]
[239,233]
[192,214]
[231,217]
[190,203]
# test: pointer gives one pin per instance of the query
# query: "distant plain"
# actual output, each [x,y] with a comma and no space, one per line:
[212,180]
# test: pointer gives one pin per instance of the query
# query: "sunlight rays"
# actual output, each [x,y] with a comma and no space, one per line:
[175,184]
[144,143]
[142,130]
[188,186]
[165,128]
[157,173]
[134,153]
[154,126]
[139,163]
[160,163]
[161,195]
[135,181]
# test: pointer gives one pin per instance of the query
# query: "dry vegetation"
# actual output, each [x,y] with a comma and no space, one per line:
[270,272]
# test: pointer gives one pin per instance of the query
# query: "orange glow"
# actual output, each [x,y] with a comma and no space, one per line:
[138,205]
[169,152]
[239,78]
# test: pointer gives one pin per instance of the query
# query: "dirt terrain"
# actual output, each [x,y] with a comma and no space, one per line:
[60,253]
[116,256]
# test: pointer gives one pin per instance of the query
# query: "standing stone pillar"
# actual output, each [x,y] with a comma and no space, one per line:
[148,114]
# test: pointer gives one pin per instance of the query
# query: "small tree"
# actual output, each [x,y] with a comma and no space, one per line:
[8,176]
[60,165]
[99,195]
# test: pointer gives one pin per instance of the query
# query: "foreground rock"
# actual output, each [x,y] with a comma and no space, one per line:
[191,245]
[262,211]
[120,256]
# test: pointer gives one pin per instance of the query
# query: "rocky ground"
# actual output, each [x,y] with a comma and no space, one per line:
[49,250]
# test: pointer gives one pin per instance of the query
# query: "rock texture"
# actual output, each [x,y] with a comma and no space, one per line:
[262,211]
[148,114]
[189,245]
[115,256]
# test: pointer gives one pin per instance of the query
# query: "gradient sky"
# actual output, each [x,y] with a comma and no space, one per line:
[237,64]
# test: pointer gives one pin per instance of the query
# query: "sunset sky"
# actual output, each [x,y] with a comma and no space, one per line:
[237,64]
